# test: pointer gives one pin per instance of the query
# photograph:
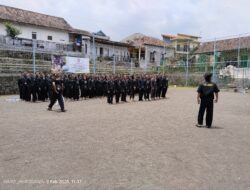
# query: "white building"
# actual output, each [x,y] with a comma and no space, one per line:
[35,25]
[149,51]
[106,48]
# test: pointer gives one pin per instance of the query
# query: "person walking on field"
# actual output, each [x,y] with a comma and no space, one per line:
[57,89]
[205,98]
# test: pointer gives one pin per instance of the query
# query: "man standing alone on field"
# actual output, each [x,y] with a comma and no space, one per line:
[205,98]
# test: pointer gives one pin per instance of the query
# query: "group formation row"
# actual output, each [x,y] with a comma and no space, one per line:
[39,87]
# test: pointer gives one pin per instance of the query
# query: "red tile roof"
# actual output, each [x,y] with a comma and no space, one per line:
[224,45]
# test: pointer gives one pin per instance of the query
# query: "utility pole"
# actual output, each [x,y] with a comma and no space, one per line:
[187,64]
[94,52]
[34,55]
[145,61]
[238,57]
[113,60]
[214,59]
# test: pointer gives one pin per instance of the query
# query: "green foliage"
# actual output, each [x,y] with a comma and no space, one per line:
[203,58]
[11,30]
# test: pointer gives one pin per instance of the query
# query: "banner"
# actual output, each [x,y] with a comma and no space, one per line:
[58,62]
[76,65]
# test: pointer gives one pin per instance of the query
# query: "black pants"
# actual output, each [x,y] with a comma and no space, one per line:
[206,105]
[21,93]
[84,92]
[124,95]
[153,93]
[132,93]
[34,94]
[141,92]
[117,97]
[58,97]
[158,92]
[110,97]
[164,91]
[76,94]
[146,94]
[91,93]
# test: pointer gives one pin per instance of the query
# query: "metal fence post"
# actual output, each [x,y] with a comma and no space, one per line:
[214,59]
[187,69]
[94,53]
[113,64]
[34,56]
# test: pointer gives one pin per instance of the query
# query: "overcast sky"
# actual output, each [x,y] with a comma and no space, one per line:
[120,18]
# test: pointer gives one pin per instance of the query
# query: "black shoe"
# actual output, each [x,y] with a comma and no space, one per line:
[208,126]
[63,110]
[49,109]
[198,125]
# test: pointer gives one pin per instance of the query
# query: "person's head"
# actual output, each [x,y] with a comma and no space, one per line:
[208,77]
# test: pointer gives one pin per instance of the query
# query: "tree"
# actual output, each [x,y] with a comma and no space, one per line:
[12,31]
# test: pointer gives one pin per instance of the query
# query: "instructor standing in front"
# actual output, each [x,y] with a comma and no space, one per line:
[205,98]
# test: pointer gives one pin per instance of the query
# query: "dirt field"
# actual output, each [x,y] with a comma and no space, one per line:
[132,146]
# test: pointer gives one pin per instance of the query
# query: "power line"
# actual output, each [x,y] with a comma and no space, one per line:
[226,37]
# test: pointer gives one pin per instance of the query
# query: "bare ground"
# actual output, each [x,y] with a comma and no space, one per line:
[132,146]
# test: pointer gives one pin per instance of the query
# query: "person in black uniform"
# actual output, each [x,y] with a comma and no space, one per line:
[71,87]
[141,84]
[76,88]
[164,82]
[33,87]
[147,88]
[27,87]
[133,88]
[205,98]
[117,84]
[91,87]
[48,79]
[84,87]
[41,87]
[104,85]
[123,89]
[159,86]
[110,90]
[153,88]
[57,89]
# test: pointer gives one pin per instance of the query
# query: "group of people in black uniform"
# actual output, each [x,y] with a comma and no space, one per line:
[38,87]
[42,86]
[34,87]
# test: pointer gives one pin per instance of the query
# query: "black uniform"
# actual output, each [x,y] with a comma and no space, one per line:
[76,88]
[110,91]
[153,88]
[164,83]
[57,95]
[147,89]
[33,88]
[141,88]
[159,87]
[91,87]
[206,92]
[41,89]
[27,88]
[84,87]
[123,90]
[133,88]
[117,84]
[71,88]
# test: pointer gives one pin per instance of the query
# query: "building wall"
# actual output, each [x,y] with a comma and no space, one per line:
[108,50]
[58,36]
[168,52]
